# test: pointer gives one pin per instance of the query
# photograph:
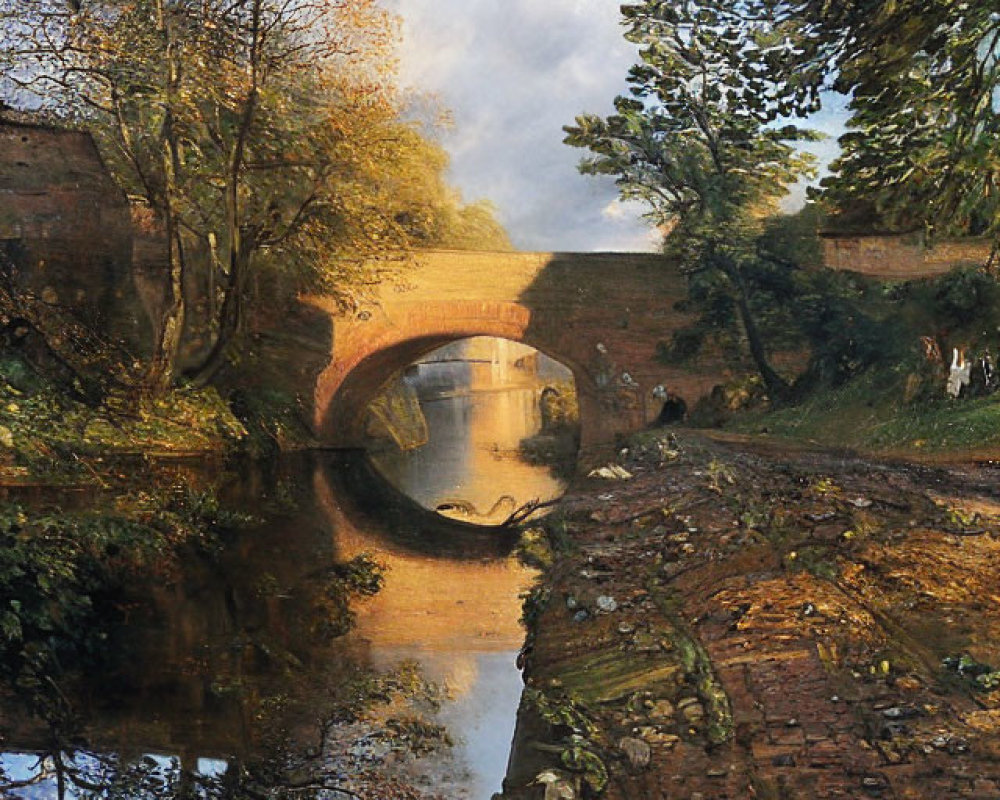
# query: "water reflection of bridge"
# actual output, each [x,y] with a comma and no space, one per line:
[229,632]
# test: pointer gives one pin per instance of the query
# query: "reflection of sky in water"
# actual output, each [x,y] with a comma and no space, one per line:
[471,456]
[475,429]
[485,714]
[18,767]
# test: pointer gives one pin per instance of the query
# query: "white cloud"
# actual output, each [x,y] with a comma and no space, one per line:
[513,74]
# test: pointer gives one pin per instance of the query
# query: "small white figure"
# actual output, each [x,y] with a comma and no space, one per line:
[960,373]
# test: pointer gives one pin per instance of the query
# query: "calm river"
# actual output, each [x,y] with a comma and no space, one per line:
[245,636]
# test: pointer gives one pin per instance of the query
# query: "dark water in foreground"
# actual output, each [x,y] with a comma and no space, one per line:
[246,636]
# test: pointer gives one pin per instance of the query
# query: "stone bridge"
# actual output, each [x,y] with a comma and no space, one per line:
[599,314]
[67,226]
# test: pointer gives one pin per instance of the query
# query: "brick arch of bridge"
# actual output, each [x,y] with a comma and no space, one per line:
[374,348]
[602,315]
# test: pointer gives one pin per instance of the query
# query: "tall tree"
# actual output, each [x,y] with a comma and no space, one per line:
[923,146]
[260,132]
[695,142]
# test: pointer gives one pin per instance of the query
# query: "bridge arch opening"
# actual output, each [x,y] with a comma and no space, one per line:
[476,429]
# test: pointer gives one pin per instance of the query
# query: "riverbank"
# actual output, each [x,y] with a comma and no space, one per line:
[48,437]
[746,622]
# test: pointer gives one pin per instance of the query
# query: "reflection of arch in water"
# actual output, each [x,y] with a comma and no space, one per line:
[447,583]
[366,501]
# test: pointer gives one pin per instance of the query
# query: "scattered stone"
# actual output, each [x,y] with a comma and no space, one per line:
[559,785]
[900,712]
[581,615]
[662,709]
[612,472]
[636,750]
[571,603]
[606,604]
[691,709]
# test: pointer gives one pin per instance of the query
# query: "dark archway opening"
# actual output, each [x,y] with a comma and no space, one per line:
[477,429]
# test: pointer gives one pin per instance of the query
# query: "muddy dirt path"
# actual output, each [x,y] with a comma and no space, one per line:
[738,621]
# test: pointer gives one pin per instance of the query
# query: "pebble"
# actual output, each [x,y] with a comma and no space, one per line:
[636,750]
[900,712]
[692,710]
[571,602]
[607,604]
[662,709]
[580,615]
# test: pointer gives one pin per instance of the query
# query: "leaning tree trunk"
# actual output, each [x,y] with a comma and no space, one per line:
[777,387]
[163,364]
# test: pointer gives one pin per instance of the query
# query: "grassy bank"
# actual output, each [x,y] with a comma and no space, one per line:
[872,413]
[48,435]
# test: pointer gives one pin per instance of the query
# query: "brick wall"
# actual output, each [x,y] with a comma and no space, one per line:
[901,256]
[66,225]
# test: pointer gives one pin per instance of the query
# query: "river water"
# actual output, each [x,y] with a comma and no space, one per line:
[252,624]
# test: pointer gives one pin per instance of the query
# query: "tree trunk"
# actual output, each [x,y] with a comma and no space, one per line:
[160,374]
[231,321]
[777,387]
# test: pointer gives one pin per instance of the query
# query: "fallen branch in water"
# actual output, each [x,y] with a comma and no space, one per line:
[523,512]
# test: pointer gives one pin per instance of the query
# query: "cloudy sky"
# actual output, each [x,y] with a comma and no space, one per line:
[512,74]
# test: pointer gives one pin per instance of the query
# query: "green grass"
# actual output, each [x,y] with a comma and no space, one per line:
[871,413]
[45,433]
